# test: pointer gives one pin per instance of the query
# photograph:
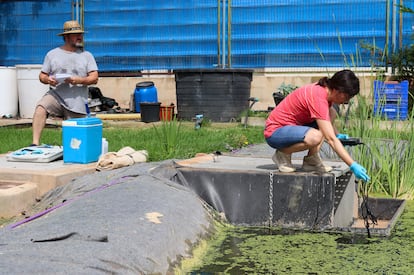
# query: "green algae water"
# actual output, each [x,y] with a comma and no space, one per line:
[241,250]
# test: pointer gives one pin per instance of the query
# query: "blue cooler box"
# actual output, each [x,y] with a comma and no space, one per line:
[82,140]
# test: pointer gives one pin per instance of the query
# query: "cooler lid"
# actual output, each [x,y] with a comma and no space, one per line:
[82,121]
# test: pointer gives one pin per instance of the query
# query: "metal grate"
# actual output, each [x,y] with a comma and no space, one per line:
[340,187]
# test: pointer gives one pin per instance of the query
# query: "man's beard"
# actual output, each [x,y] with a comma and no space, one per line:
[79,45]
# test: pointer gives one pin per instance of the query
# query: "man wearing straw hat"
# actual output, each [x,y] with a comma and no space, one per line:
[68,70]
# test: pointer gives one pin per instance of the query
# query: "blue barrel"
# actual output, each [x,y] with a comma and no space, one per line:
[144,92]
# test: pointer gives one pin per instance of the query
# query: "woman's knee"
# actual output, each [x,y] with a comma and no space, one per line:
[313,137]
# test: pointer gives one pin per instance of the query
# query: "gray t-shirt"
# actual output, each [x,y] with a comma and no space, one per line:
[79,63]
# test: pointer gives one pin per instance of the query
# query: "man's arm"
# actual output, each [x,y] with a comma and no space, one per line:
[91,78]
[333,114]
[47,79]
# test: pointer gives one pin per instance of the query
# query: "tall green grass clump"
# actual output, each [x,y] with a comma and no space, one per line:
[168,136]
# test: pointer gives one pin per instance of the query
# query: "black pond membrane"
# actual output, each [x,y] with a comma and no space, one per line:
[249,191]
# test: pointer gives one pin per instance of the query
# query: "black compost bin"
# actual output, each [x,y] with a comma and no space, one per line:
[221,95]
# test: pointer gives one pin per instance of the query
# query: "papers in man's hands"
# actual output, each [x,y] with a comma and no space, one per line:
[61,77]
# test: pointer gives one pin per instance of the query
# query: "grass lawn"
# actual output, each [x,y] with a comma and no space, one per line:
[162,140]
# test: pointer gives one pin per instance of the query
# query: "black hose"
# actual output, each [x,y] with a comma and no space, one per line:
[367,215]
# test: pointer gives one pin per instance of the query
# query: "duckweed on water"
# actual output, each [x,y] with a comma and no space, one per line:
[241,250]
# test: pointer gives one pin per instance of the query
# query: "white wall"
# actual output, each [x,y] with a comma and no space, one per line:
[263,85]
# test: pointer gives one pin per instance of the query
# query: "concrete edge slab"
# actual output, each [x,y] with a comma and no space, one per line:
[33,183]
[16,199]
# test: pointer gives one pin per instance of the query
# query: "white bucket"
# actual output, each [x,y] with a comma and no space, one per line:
[30,88]
[8,91]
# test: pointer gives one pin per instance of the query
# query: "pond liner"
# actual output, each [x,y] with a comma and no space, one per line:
[244,198]
[122,221]
[249,192]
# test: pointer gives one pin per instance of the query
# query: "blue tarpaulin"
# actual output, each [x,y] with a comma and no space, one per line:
[146,35]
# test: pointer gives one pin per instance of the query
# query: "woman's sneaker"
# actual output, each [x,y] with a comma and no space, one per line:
[314,163]
[283,161]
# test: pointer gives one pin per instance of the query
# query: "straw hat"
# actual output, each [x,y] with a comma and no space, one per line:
[71,27]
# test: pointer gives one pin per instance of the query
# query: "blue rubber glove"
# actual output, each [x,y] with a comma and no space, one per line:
[359,171]
[342,136]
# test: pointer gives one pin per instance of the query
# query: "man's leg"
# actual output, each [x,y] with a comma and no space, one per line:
[46,106]
[39,122]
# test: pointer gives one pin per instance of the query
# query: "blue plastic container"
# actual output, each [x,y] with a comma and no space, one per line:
[391,99]
[145,92]
[82,140]
[390,91]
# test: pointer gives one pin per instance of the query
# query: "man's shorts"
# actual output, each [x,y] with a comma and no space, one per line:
[55,109]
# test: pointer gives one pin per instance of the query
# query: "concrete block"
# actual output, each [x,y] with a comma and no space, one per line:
[16,197]
[250,191]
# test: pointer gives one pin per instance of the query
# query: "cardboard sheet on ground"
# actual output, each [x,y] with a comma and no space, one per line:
[41,153]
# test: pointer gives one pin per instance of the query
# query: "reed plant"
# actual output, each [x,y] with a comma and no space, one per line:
[388,151]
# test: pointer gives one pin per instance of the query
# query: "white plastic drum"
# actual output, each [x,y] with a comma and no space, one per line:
[30,88]
[8,92]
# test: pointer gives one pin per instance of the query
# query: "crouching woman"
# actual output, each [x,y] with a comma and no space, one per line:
[304,120]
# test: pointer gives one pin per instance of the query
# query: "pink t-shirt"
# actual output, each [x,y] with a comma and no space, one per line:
[301,107]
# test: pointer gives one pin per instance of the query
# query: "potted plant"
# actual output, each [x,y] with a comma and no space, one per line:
[282,92]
